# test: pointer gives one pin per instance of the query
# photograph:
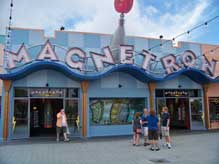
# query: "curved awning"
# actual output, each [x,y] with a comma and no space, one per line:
[139,73]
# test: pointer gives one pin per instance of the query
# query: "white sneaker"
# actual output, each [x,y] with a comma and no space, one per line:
[169,146]
[67,139]
[57,140]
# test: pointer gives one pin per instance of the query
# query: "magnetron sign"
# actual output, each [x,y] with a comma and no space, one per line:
[75,58]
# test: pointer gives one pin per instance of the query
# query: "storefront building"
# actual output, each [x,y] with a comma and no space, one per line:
[80,73]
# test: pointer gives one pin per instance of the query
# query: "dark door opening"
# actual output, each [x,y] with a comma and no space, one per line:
[179,112]
[43,116]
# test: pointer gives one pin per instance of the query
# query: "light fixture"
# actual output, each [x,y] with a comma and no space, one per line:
[188,32]
[161,36]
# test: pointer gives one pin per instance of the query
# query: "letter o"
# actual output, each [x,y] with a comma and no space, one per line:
[188,58]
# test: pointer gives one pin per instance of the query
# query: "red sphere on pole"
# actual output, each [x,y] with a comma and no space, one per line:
[123,6]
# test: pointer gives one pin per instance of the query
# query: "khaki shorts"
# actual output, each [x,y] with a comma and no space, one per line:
[165,131]
[145,131]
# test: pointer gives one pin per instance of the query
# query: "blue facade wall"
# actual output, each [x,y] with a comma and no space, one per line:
[107,87]
[182,82]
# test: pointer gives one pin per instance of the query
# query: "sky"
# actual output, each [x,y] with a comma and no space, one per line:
[148,18]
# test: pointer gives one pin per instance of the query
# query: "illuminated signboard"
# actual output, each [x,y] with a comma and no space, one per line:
[176,93]
[214,100]
[75,58]
[46,92]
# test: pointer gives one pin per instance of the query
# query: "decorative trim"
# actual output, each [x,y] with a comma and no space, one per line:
[151,87]
[206,105]
[84,87]
[7,86]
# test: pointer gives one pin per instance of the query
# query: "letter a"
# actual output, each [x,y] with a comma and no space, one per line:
[47,52]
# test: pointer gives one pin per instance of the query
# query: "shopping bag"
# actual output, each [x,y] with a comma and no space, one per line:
[67,130]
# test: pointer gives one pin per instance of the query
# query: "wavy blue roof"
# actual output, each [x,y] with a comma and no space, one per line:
[140,74]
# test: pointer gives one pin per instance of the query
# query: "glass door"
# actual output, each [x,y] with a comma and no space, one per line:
[73,117]
[161,102]
[197,114]
[20,119]
[179,112]
[43,113]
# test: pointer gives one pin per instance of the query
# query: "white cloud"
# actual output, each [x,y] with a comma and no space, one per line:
[99,16]
[151,10]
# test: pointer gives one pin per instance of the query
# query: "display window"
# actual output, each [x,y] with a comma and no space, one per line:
[214,111]
[114,111]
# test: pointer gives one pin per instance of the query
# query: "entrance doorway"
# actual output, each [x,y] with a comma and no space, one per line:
[35,111]
[179,112]
[43,116]
[197,114]
[185,107]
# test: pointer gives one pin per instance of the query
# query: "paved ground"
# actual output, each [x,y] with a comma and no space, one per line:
[189,148]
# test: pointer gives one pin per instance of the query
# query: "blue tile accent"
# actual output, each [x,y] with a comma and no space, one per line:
[184,46]
[2,39]
[60,39]
[19,36]
[152,43]
[92,41]
[36,37]
[130,41]
[105,40]
[75,40]
[196,48]
[141,44]
[34,51]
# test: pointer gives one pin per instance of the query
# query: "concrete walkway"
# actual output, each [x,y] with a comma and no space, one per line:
[192,148]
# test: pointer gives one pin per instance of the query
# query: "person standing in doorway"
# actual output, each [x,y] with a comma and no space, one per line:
[166,126]
[136,123]
[153,124]
[144,123]
[61,125]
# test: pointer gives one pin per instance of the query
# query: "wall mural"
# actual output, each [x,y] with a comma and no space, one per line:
[114,111]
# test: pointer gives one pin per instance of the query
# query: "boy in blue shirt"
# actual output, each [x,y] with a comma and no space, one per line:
[153,124]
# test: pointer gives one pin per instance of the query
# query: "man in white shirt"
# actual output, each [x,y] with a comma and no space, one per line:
[61,125]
